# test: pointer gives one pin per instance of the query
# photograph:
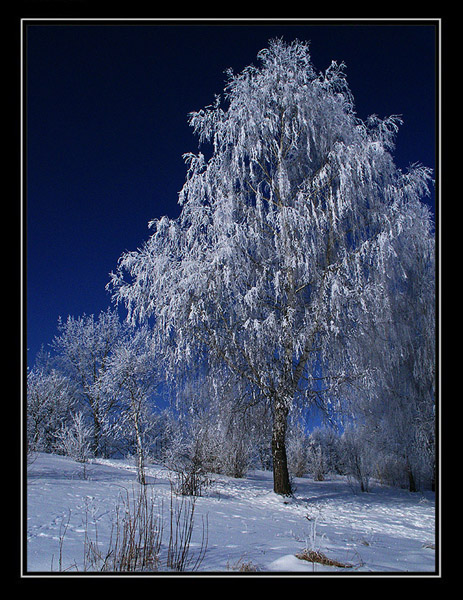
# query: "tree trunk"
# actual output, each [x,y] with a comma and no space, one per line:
[96,435]
[135,408]
[411,480]
[281,483]
[140,454]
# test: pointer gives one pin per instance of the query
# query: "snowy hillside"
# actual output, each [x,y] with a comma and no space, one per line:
[248,526]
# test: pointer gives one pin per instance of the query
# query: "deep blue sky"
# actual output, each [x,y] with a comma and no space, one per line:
[106,127]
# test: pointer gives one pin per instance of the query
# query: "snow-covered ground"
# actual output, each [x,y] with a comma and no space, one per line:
[387,530]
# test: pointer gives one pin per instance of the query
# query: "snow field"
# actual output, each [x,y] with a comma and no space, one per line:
[387,530]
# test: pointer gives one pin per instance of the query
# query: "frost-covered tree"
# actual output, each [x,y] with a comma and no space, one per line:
[130,379]
[298,449]
[403,422]
[50,398]
[84,346]
[357,455]
[323,452]
[411,381]
[214,433]
[73,439]
[277,262]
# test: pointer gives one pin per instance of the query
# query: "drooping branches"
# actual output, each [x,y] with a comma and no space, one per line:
[282,256]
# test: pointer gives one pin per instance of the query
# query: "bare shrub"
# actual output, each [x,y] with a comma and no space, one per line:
[73,440]
[136,537]
[179,557]
[191,480]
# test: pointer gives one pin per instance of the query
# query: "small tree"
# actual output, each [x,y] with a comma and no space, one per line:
[83,348]
[237,448]
[74,440]
[130,381]
[50,399]
[358,456]
[317,462]
[324,452]
[298,451]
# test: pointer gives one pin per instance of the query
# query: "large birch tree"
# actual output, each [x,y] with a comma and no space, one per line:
[278,262]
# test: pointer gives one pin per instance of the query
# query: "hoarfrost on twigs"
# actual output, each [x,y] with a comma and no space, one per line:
[291,240]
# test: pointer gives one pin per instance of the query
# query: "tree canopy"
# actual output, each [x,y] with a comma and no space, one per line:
[291,245]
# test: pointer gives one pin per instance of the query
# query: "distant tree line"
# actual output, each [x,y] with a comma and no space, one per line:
[99,393]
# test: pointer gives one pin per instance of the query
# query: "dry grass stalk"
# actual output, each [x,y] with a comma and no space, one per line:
[243,567]
[315,556]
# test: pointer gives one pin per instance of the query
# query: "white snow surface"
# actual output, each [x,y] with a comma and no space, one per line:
[387,530]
